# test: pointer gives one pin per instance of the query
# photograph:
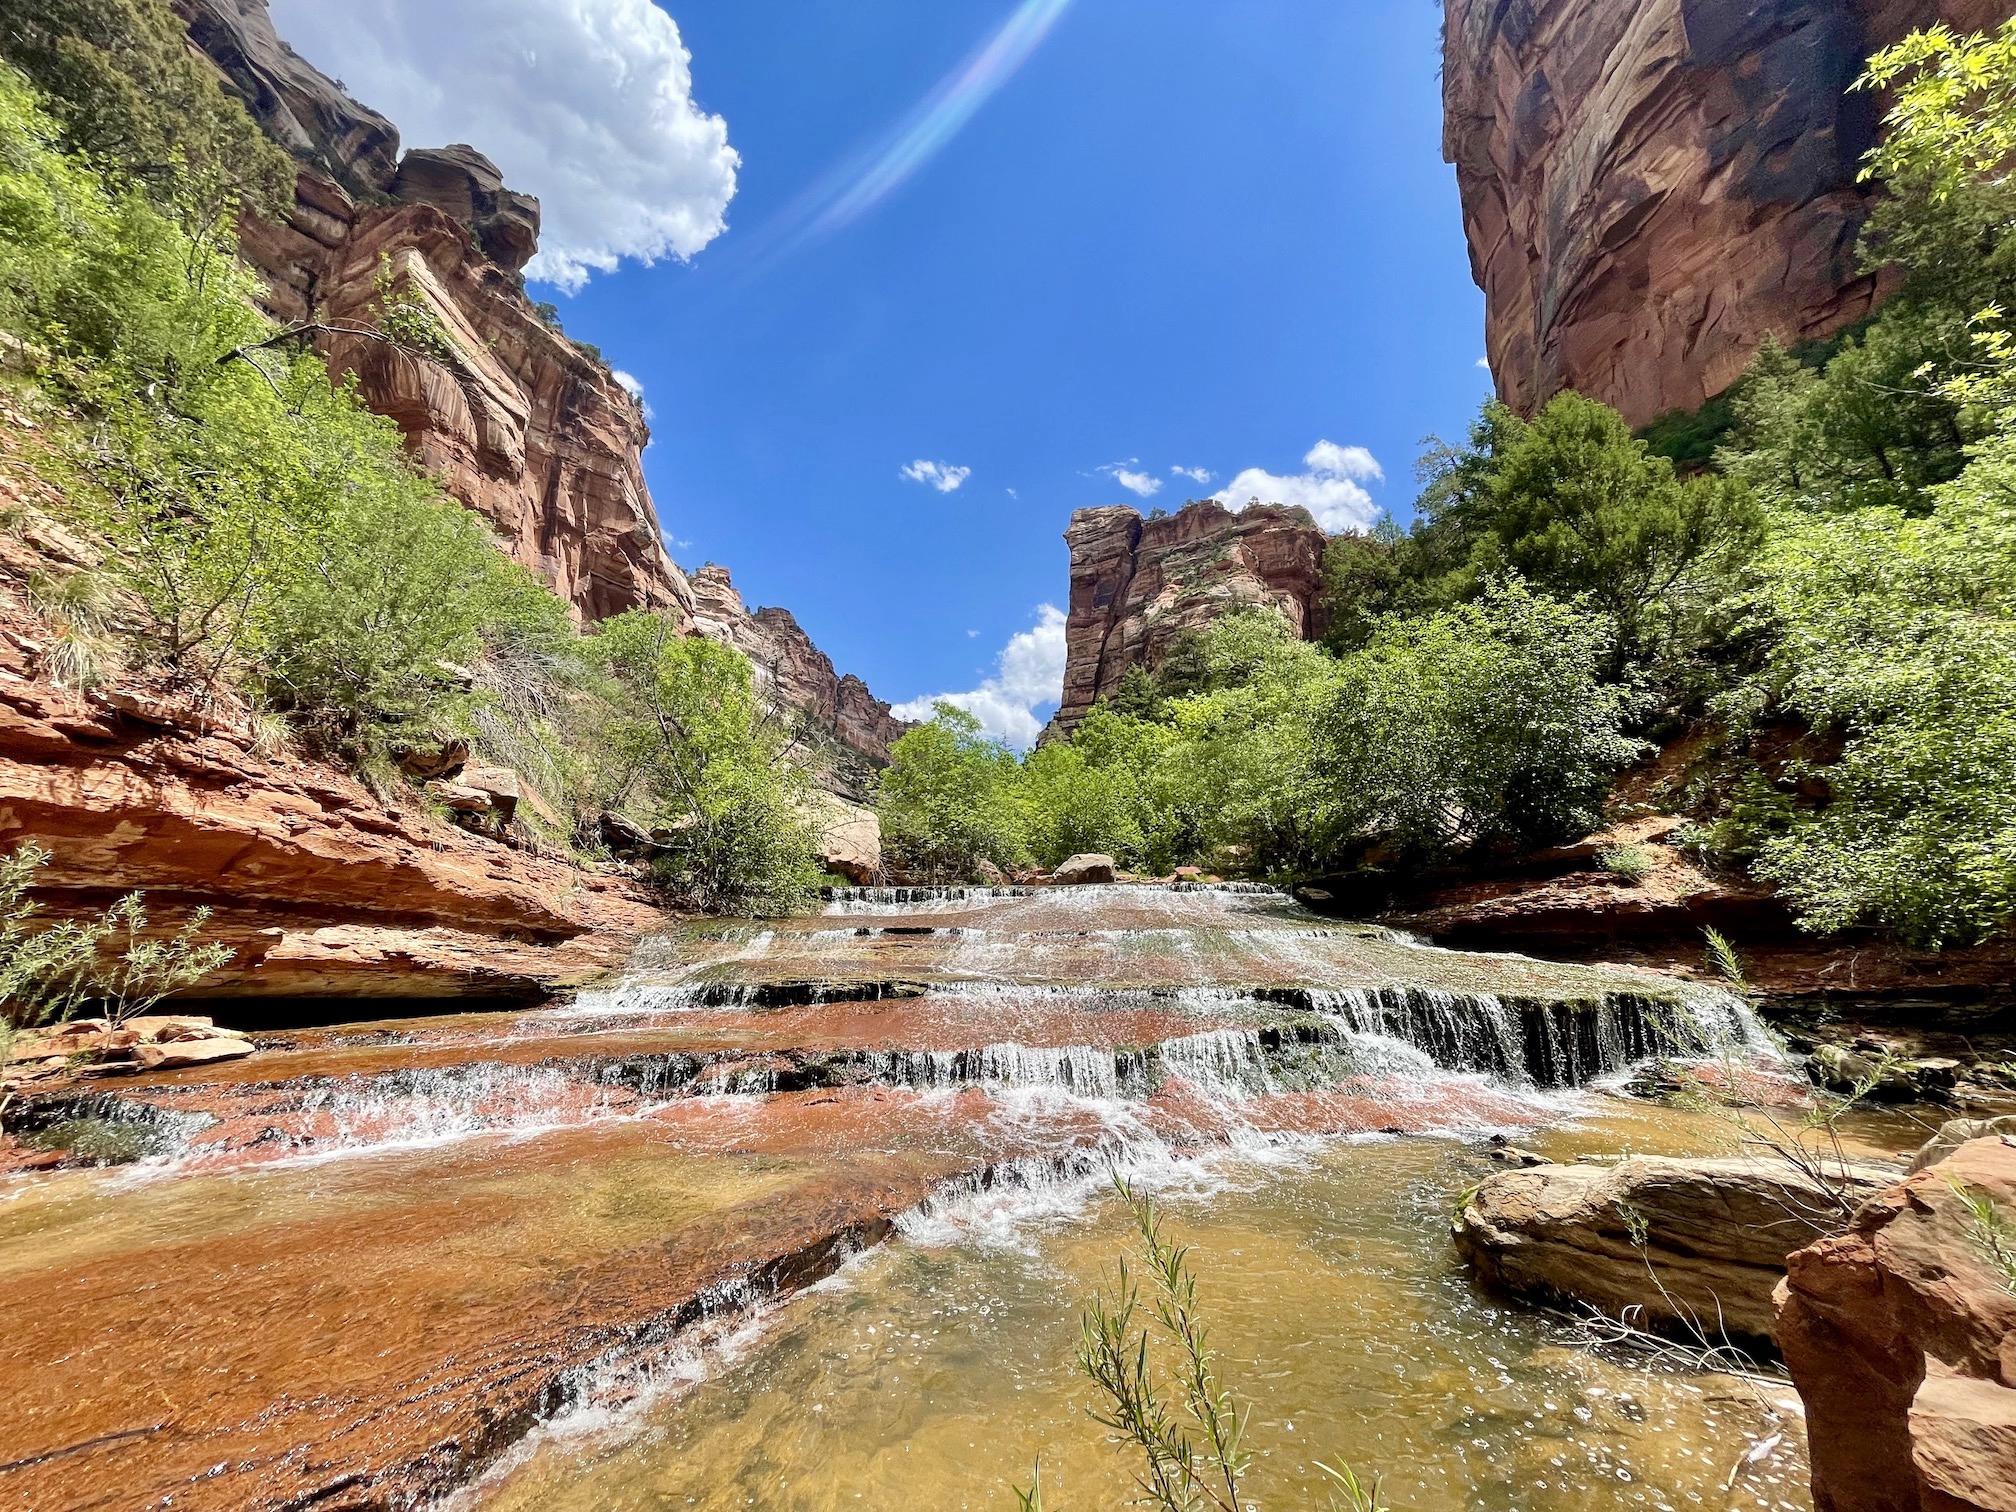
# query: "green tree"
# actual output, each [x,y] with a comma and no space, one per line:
[689,747]
[130,96]
[950,799]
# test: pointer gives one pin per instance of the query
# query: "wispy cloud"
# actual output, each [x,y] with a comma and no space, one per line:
[942,476]
[1194,474]
[1332,489]
[1128,475]
[861,183]
[1028,678]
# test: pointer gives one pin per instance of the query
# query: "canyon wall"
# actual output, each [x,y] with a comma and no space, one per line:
[853,728]
[1136,583]
[1650,189]
[518,423]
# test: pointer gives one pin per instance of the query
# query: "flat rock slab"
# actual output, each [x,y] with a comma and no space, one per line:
[1689,1244]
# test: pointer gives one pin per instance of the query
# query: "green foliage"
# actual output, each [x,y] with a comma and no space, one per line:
[48,972]
[949,800]
[1484,725]
[685,743]
[1725,962]
[1688,438]
[129,95]
[1631,862]
[1574,504]
[1897,633]
[1992,1230]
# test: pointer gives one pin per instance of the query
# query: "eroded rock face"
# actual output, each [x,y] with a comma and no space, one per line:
[1713,1232]
[1901,1336]
[856,727]
[1136,583]
[521,426]
[1651,189]
[320,887]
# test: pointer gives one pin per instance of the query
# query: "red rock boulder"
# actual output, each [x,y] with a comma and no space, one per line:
[1901,1337]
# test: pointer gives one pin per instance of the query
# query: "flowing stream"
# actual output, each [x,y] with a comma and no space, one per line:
[800,1215]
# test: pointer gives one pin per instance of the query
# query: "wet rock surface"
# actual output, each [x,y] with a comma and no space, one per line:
[1692,1248]
[394,1248]
[1901,1336]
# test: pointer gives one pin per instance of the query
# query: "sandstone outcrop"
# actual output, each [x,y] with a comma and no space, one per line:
[1692,1247]
[854,728]
[850,837]
[1137,583]
[520,424]
[1651,189]
[320,887]
[1077,871]
[1901,1336]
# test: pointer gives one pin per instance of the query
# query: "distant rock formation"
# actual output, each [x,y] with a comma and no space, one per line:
[854,725]
[1135,584]
[1651,189]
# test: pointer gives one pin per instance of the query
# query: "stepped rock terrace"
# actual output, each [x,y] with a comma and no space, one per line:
[371,1257]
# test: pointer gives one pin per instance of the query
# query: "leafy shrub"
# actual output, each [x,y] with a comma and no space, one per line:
[1631,862]
[949,800]
[688,747]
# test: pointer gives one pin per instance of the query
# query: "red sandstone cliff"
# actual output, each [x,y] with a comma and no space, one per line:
[1136,583]
[853,723]
[1650,189]
[523,426]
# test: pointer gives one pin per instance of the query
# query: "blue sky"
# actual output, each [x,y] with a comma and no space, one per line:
[1178,234]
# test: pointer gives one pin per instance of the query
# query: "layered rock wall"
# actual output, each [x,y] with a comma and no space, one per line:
[856,725]
[1137,583]
[1650,189]
[520,424]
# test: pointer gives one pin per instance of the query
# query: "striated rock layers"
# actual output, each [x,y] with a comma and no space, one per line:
[321,887]
[856,725]
[1678,1245]
[1901,1336]
[519,424]
[1651,189]
[1135,584]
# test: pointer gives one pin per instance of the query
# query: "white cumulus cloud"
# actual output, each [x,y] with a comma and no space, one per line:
[634,389]
[1194,474]
[1129,477]
[586,103]
[1332,489]
[1028,678]
[942,476]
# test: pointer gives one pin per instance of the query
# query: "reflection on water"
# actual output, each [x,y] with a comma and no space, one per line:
[934,1373]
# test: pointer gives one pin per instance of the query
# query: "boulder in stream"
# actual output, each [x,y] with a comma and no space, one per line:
[1678,1245]
[1901,1337]
[1082,869]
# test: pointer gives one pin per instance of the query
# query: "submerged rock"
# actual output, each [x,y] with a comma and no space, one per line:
[1685,1247]
[1901,1336]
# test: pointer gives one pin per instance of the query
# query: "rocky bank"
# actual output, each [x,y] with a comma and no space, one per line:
[1649,190]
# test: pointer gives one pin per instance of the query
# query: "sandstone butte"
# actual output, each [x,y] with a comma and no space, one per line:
[1137,583]
[1651,189]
